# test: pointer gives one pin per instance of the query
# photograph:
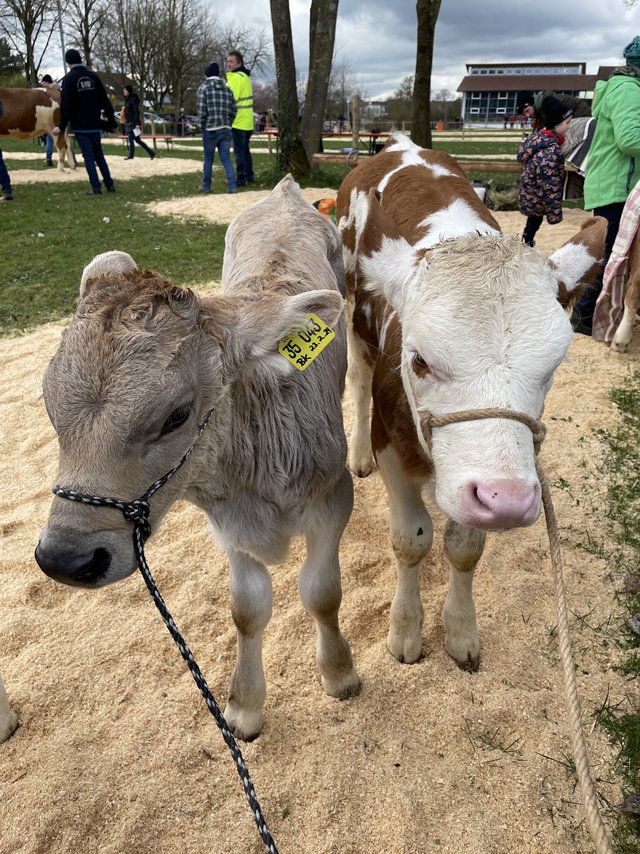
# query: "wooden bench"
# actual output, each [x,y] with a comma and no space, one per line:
[467,165]
[167,137]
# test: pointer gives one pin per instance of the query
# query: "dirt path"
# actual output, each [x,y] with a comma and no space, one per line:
[117,753]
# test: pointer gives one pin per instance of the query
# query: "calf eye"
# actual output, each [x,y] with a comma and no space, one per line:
[177,418]
[420,367]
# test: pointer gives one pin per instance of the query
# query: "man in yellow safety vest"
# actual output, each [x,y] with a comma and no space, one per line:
[239,82]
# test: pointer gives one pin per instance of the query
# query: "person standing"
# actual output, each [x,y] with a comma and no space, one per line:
[216,108]
[5,181]
[239,82]
[132,122]
[83,99]
[529,105]
[542,180]
[614,164]
[46,82]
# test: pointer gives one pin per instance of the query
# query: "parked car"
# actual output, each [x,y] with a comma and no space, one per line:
[158,121]
[191,124]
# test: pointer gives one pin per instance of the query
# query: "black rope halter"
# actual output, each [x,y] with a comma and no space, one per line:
[137,511]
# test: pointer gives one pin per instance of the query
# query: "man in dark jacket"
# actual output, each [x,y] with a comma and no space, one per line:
[83,100]
[529,105]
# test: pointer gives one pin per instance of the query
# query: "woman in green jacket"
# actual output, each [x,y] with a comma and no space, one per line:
[614,163]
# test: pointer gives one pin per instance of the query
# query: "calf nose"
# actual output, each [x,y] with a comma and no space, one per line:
[69,567]
[502,503]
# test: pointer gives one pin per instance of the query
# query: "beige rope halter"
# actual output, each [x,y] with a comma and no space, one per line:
[589,796]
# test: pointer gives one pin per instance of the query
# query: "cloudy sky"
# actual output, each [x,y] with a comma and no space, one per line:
[376,39]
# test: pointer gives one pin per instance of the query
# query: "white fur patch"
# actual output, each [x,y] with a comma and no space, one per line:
[388,270]
[453,221]
[389,314]
[411,156]
[571,262]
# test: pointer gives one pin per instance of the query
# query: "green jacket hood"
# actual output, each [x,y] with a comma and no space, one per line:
[609,85]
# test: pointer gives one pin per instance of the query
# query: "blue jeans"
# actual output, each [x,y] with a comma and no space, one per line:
[220,139]
[48,147]
[133,139]
[91,148]
[5,181]
[244,161]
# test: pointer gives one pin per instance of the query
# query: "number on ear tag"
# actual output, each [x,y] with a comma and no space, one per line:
[303,345]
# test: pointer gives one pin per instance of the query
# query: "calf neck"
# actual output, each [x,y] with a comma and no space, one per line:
[446,315]
[141,364]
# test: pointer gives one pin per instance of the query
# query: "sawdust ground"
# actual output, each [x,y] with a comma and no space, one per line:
[116,751]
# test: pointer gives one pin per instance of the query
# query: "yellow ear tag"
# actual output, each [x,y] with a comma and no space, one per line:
[303,345]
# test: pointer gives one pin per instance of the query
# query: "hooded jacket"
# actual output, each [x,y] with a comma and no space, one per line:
[614,156]
[82,101]
[542,180]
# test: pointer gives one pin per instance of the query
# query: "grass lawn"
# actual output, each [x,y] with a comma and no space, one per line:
[621,717]
[52,230]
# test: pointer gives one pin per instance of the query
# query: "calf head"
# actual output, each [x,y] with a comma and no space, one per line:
[140,365]
[483,326]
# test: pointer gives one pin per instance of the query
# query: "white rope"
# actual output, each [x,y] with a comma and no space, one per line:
[589,796]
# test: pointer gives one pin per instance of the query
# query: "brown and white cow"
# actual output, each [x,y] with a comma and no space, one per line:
[140,365]
[29,113]
[447,314]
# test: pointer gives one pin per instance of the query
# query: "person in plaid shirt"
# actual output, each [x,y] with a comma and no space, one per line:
[216,109]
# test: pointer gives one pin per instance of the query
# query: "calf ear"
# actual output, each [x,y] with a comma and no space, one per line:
[252,327]
[577,262]
[106,264]
[387,261]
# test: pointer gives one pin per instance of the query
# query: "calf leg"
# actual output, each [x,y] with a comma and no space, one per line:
[8,720]
[463,546]
[624,332]
[321,591]
[251,601]
[411,538]
[359,378]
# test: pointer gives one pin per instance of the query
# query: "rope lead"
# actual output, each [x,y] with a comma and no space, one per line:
[137,512]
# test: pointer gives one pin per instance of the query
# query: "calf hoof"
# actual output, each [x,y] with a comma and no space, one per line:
[405,649]
[244,725]
[344,687]
[361,465]
[468,660]
[619,347]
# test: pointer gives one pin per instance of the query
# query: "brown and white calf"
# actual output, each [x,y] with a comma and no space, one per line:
[447,314]
[142,362]
[29,113]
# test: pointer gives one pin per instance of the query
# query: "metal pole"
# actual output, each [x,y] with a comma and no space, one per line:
[64,66]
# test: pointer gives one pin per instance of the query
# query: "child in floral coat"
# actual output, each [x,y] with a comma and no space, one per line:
[540,190]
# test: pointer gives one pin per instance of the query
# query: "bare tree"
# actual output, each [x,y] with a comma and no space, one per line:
[322,34]
[342,85]
[427,12]
[292,156]
[254,45]
[89,17]
[28,26]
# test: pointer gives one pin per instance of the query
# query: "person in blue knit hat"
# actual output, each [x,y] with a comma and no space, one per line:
[614,163]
